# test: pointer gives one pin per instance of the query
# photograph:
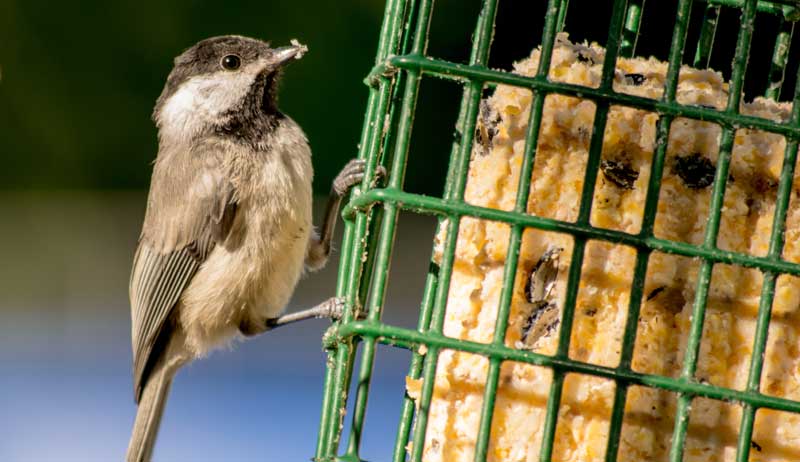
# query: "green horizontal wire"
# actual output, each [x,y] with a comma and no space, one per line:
[411,339]
[772,7]
[436,206]
[464,73]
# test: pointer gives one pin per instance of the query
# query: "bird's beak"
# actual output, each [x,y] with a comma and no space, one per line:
[284,55]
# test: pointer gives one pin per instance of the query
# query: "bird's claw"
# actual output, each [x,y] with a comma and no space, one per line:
[335,308]
[353,174]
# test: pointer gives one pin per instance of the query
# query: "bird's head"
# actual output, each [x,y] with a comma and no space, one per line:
[221,78]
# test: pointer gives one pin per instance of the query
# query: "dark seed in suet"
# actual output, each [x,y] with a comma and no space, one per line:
[619,173]
[635,79]
[653,293]
[763,184]
[696,171]
[542,320]
[543,276]
[486,128]
[585,58]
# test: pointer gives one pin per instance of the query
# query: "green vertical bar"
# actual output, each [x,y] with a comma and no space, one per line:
[484,31]
[776,241]
[562,15]
[708,30]
[556,387]
[338,377]
[780,56]
[415,369]
[428,304]
[389,225]
[584,213]
[628,343]
[445,272]
[630,31]
[515,239]
[677,49]
[712,230]
[412,91]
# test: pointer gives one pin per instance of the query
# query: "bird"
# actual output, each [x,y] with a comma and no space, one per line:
[227,231]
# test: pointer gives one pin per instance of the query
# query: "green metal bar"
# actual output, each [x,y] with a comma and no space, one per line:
[338,377]
[411,339]
[677,49]
[479,55]
[756,363]
[440,300]
[780,56]
[334,375]
[553,403]
[630,32]
[584,212]
[327,396]
[407,412]
[628,343]
[463,73]
[712,230]
[372,218]
[776,242]
[708,31]
[388,230]
[562,15]
[515,238]
[435,206]
[398,172]
[771,7]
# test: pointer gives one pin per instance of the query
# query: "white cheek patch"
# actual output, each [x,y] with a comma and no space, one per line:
[201,100]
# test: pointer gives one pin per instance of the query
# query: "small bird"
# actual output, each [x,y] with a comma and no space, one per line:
[228,228]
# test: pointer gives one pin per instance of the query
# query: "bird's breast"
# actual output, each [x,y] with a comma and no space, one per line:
[252,275]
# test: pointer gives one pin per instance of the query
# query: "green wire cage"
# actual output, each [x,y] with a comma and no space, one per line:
[372,217]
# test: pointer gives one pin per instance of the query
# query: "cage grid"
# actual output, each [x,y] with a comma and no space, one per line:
[372,214]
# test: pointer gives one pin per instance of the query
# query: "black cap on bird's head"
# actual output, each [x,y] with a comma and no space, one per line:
[220,75]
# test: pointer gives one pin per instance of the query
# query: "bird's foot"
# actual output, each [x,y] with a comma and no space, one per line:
[353,174]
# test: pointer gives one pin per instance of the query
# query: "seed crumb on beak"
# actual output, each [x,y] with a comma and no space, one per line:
[302,48]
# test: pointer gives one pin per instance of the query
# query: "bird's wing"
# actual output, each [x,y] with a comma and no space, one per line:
[191,208]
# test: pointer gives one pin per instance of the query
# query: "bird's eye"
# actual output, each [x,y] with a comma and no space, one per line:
[231,62]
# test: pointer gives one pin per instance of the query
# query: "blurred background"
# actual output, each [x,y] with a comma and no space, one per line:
[78,83]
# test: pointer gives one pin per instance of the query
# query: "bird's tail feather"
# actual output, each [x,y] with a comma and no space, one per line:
[151,408]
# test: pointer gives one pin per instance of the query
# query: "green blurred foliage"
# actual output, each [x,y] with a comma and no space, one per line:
[79,80]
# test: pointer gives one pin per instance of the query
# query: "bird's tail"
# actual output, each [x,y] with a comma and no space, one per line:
[151,408]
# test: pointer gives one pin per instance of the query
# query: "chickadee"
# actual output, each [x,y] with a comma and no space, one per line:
[228,231]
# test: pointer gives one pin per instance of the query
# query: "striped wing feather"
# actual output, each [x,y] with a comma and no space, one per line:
[191,207]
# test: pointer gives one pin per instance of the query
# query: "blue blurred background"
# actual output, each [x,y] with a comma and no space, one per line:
[78,83]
